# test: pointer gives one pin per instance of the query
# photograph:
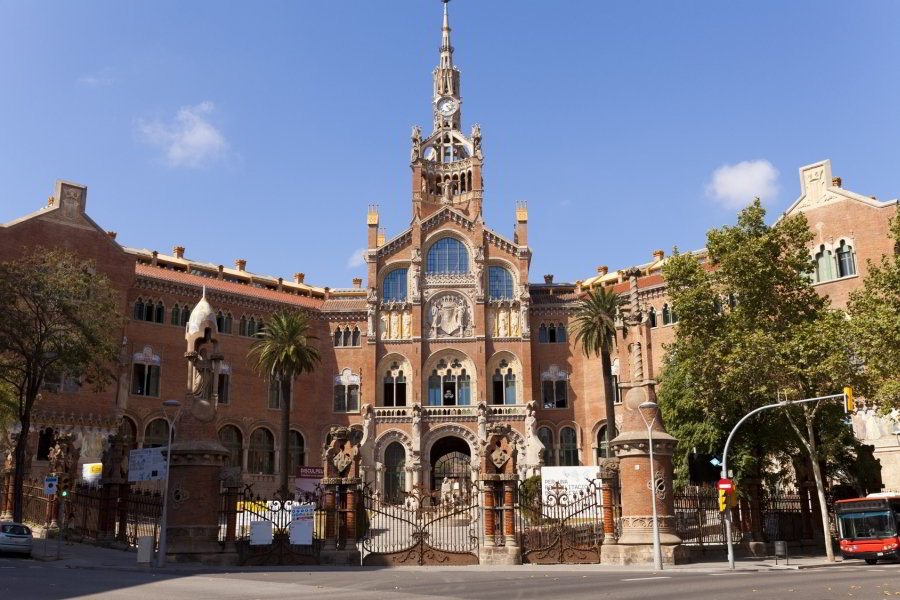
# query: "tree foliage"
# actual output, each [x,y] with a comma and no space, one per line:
[875,323]
[58,316]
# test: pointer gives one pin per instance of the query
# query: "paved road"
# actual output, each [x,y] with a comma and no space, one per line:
[25,579]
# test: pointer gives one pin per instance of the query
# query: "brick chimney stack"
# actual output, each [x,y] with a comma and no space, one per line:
[548,279]
[602,270]
[241,264]
[836,182]
[299,277]
[658,255]
[178,251]
[357,283]
[112,234]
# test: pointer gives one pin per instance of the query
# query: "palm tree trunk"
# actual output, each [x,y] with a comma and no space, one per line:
[610,396]
[285,384]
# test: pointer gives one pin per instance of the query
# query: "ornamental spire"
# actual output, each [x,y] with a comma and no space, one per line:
[446,48]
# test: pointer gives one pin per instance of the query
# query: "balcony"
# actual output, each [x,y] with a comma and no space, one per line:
[450,414]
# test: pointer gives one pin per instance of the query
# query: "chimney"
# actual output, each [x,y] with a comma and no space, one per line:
[873,197]
[178,251]
[280,284]
[548,279]
[327,292]
[357,283]
[835,182]
[241,264]
[602,270]
[299,277]
[112,234]
[153,261]
[372,225]
[658,255]
[521,231]
[221,274]
[381,236]
[50,201]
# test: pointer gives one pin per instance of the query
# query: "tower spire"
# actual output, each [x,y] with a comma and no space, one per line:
[446,48]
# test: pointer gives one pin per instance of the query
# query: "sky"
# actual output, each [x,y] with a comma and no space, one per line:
[263,130]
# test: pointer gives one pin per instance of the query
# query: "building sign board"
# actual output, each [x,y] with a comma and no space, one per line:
[306,479]
[146,464]
[91,473]
[571,481]
[303,518]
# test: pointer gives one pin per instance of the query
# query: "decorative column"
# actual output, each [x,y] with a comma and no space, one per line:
[341,484]
[632,448]
[196,456]
[500,479]
[609,474]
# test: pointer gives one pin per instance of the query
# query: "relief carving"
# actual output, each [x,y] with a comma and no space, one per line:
[448,316]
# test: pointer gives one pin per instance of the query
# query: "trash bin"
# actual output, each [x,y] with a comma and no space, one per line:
[781,552]
[146,545]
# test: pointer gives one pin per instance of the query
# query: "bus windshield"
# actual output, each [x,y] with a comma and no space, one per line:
[867,525]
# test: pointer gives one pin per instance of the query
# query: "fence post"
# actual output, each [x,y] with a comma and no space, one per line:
[6,507]
[122,506]
[500,476]
[609,471]
[231,482]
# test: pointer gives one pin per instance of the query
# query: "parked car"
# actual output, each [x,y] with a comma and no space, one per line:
[15,537]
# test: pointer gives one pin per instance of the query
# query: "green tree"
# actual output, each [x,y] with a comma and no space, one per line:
[594,328]
[875,323]
[58,315]
[752,330]
[283,352]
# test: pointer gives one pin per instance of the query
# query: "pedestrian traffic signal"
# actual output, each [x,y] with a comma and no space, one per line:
[723,500]
[848,399]
[65,484]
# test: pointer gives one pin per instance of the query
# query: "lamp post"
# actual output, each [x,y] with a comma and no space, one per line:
[161,554]
[657,551]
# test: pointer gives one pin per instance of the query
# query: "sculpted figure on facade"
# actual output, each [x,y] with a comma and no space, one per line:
[476,140]
[414,272]
[449,315]
[482,422]
[416,426]
[416,138]
[395,325]
[504,323]
[384,326]
[514,322]
[479,277]
[407,325]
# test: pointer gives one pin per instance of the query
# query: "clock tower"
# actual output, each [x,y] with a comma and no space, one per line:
[447,165]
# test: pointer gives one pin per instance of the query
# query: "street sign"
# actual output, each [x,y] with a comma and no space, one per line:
[146,464]
[50,485]
[91,473]
[725,485]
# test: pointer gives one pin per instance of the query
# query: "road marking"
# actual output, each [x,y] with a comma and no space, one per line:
[879,570]
[718,574]
[647,578]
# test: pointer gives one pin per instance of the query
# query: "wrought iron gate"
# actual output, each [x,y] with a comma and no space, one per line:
[426,528]
[564,527]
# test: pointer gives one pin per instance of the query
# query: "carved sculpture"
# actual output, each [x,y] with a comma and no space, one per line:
[449,315]
[407,325]
[204,360]
[504,323]
[416,138]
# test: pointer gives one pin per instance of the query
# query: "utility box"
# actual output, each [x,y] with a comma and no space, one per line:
[146,545]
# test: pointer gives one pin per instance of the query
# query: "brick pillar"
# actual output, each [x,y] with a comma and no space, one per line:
[609,468]
[330,542]
[489,513]
[509,515]
[350,516]
[6,508]
[341,482]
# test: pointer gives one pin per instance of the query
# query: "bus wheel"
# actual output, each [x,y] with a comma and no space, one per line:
[871,561]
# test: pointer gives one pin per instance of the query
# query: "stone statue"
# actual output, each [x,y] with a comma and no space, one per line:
[449,316]
[476,140]
[407,325]
[479,253]
[482,422]
[395,326]
[416,425]
[370,318]
[368,424]
[414,281]
[514,322]
[204,360]
[384,325]
[372,296]
[416,138]
[504,323]
[447,193]
[434,321]
[479,278]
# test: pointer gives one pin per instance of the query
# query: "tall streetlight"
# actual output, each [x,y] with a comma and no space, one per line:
[161,554]
[657,551]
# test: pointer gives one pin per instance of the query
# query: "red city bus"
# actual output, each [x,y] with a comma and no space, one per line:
[868,527]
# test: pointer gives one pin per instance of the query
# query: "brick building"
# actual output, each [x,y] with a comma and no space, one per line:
[446,337]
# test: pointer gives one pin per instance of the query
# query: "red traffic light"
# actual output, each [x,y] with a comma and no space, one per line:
[726,485]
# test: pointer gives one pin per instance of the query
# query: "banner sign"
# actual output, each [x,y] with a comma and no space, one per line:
[306,479]
[91,472]
[146,464]
[570,481]
[303,518]
[260,533]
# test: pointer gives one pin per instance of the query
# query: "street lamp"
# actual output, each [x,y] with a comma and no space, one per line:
[657,551]
[161,554]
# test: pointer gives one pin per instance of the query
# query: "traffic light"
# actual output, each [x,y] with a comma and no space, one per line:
[848,399]
[723,500]
[732,498]
[65,485]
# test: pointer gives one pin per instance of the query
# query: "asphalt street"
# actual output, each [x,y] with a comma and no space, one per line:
[28,579]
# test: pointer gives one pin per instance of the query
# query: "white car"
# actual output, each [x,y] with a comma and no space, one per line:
[15,537]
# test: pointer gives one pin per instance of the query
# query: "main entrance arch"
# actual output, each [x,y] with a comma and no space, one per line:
[451,466]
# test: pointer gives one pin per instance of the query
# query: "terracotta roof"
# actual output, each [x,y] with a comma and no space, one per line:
[558,297]
[226,286]
[345,304]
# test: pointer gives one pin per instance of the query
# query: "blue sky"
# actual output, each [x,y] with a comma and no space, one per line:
[274,124]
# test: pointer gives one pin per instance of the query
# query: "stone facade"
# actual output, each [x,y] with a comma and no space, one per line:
[447,338]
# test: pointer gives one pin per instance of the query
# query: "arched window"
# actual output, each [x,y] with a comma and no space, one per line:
[157,434]
[355,340]
[394,389]
[434,389]
[145,373]
[227,328]
[448,255]
[347,339]
[568,448]
[220,321]
[555,387]
[230,437]
[667,316]
[185,315]
[542,334]
[560,333]
[160,315]
[464,383]
[261,458]
[251,327]
[497,387]
[176,315]
[139,309]
[394,287]
[46,440]
[242,326]
[674,315]
[224,386]
[509,384]
[296,452]
[824,271]
[551,334]
[500,284]
[546,438]
[846,264]
[338,338]
[651,316]
[394,473]
[346,392]
[603,450]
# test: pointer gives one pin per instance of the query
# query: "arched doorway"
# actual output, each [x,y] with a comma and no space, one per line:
[451,458]
[394,473]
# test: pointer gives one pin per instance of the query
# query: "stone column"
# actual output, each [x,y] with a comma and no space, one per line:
[509,514]
[341,483]
[609,470]
[6,508]
[499,476]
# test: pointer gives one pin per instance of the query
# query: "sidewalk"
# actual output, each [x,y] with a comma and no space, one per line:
[86,556]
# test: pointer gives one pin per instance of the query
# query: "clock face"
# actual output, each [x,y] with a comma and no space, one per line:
[446,106]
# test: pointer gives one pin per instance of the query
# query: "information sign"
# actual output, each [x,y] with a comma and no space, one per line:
[306,480]
[91,472]
[303,517]
[146,464]
[50,483]
[260,533]
[566,480]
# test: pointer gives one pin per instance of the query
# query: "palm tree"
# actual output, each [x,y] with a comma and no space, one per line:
[595,330]
[283,352]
